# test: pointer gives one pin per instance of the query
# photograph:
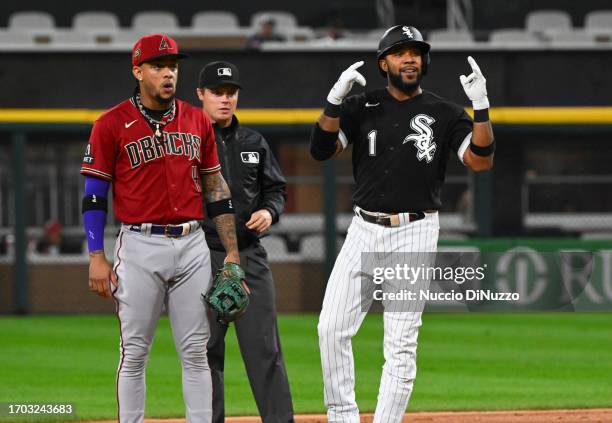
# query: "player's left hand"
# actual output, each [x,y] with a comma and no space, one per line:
[475,86]
[259,221]
[345,83]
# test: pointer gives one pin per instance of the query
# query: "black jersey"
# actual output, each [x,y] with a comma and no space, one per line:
[401,148]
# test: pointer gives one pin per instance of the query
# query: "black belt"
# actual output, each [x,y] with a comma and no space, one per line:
[173,231]
[389,220]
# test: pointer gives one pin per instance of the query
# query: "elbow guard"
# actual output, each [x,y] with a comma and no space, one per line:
[322,143]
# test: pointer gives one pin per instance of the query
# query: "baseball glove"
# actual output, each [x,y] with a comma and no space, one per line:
[228,296]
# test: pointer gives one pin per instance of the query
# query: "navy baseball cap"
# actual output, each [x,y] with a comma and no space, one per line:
[219,73]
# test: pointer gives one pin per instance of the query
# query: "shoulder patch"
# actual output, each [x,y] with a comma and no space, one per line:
[88,158]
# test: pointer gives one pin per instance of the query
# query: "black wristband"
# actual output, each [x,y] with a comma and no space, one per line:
[481,115]
[483,151]
[332,110]
[94,202]
[220,207]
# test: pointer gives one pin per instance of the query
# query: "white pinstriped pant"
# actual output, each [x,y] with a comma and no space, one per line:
[343,312]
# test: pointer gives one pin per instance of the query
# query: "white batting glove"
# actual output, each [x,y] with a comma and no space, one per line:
[475,86]
[344,84]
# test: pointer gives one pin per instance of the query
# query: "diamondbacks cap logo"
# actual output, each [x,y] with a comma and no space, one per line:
[164,45]
[407,32]
[224,72]
[249,157]
[136,54]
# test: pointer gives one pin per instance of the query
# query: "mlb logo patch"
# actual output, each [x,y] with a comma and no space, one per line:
[224,72]
[250,157]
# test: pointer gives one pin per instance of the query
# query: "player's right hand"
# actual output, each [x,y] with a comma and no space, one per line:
[100,273]
[344,84]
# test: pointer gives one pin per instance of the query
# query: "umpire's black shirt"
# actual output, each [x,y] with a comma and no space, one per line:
[401,148]
[254,178]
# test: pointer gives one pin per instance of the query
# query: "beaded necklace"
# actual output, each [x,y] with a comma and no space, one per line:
[166,118]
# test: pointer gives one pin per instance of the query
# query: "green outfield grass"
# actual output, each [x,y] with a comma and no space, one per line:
[465,362]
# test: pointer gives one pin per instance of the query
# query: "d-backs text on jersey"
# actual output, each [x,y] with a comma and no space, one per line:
[175,143]
[423,139]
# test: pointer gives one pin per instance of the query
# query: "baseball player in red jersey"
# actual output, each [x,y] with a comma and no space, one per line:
[158,153]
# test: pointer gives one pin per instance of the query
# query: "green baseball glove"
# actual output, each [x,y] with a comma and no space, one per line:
[228,296]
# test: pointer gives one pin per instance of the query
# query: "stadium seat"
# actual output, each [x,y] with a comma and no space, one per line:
[31,22]
[598,21]
[375,34]
[95,21]
[514,37]
[214,19]
[286,24]
[312,247]
[276,248]
[15,39]
[154,21]
[73,38]
[548,21]
[448,36]
[284,20]
[127,38]
[572,39]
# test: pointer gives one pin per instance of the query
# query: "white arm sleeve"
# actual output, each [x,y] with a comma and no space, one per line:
[343,140]
[464,146]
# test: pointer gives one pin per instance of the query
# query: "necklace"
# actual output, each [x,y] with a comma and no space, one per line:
[166,118]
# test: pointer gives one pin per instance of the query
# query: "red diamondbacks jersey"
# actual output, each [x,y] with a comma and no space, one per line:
[153,182]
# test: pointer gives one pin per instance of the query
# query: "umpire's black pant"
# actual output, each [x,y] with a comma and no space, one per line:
[258,340]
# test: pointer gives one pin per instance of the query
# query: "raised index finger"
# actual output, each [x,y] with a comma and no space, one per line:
[356,65]
[474,65]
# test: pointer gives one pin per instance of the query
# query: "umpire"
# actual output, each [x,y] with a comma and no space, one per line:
[258,192]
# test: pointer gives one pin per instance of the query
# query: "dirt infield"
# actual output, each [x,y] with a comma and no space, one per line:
[599,415]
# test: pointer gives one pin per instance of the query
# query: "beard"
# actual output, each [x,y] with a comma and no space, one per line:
[162,100]
[407,88]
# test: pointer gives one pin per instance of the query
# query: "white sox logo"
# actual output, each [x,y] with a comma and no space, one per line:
[407,32]
[423,139]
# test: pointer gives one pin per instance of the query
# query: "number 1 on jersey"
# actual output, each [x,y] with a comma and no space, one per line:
[372,142]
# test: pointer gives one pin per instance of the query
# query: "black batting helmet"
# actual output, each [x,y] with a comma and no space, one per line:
[402,34]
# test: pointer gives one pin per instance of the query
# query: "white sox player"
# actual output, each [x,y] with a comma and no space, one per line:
[402,137]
